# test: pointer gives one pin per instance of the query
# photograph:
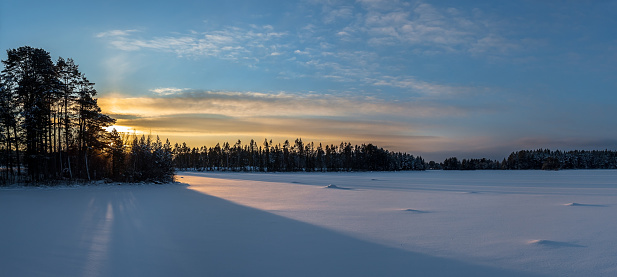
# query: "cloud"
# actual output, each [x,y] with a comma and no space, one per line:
[331,51]
[331,14]
[375,39]
[124,116]
[206,117]
[231,43]
[422,87]
[495,43]
[248,104]
[115,33]
[300,52]
[168,91]
[418,25]
[255,105]
[381,4]
[423,25]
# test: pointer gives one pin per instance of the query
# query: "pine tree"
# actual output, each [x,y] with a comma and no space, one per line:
[30,77]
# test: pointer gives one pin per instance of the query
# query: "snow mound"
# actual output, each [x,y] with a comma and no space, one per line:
[331,186]
[415,211]
[552,243]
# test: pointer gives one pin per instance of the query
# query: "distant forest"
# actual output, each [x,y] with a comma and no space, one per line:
[52,130]
[299,156]
[544,159]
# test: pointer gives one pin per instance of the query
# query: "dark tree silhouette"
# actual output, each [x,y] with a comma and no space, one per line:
[52,126]
[298,156]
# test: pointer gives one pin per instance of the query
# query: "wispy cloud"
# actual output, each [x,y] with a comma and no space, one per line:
[168,91]
[282,104]
[115,33]
[422,87]
[373,42]
[232,43]
[345,43]
[493,43]
[333,14]
[421,26]
[418,25]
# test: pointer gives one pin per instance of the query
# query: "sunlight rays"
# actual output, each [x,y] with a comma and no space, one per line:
[100,241]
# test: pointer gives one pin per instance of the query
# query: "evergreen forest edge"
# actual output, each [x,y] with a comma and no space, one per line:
[52,130]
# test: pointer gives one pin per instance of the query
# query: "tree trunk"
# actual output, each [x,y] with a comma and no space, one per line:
[87,169]
[17,151]
[69,165]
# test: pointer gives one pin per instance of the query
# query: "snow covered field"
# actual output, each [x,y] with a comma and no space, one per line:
[434,223]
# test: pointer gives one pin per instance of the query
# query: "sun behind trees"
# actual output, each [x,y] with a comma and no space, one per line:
[51,127]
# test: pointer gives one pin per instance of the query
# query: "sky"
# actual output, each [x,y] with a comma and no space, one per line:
[432,78]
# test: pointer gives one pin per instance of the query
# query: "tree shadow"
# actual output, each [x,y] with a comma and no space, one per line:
[203,235]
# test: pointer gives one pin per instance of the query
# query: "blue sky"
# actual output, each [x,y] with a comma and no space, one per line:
[442,78]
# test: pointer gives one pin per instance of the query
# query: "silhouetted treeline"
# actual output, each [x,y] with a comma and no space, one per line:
[537,159]
[134,159]
[553,160]
[469,164]
[298,156]
[51,127]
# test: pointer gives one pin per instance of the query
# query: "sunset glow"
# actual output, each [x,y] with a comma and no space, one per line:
[122,129]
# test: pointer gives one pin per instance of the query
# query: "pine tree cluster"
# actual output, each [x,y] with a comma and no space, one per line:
[544,159]
[52,129]
[137,159]
[298,156]
[554,160]
[454,163]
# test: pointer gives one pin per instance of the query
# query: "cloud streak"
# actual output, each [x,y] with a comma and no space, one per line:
[168,91]
[231,43]
[173,101]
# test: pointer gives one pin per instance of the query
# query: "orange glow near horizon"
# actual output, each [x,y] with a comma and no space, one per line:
[123,129]
[211,118]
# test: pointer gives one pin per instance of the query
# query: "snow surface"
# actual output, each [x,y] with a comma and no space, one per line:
[434,223]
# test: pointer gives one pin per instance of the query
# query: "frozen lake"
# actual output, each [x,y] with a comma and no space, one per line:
[434,223]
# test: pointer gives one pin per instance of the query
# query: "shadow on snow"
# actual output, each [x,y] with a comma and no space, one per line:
[174,231]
